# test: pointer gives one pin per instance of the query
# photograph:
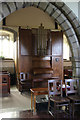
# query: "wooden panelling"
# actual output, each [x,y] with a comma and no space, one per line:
[43,75]
[43,71]
[57,65]
[57,43]
[7,65]
[41,64]
[57,54]
[25,64]
[26,42]
[25,50]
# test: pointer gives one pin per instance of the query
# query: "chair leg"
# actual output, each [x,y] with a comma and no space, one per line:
[73,107]
[34,103]
[69,110]
[55,108]
[48,104]
[31,101]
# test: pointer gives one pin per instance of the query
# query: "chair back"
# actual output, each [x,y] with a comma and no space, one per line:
[71,86]
[23,76]
[54,87]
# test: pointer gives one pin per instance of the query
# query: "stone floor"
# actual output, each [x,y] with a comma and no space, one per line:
[18,106]
[28,115]
[15,101]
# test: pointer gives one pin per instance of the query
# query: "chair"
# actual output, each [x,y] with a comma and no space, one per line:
[56,102]
[24,82]
[73,93]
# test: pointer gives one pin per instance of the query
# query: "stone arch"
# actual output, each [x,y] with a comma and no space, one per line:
[59,12]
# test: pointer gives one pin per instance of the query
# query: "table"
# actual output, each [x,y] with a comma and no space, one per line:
[35,92]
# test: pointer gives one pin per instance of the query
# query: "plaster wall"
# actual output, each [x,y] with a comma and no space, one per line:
[31,17]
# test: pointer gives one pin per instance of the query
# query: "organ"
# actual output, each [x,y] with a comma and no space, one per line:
[41,54]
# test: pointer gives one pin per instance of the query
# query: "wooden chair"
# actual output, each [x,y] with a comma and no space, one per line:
[24,82]
[56,101]
[73,93]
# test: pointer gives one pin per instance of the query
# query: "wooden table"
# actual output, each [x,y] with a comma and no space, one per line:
[35,92]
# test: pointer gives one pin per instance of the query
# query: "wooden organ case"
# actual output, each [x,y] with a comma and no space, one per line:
[41,54]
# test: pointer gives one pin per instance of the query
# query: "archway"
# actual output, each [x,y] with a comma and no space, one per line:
[59,12]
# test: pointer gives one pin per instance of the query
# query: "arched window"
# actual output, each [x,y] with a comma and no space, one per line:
[66,49]
[6,44]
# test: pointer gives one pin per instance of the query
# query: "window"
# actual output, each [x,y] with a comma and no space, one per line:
[6,45]
[66,49]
